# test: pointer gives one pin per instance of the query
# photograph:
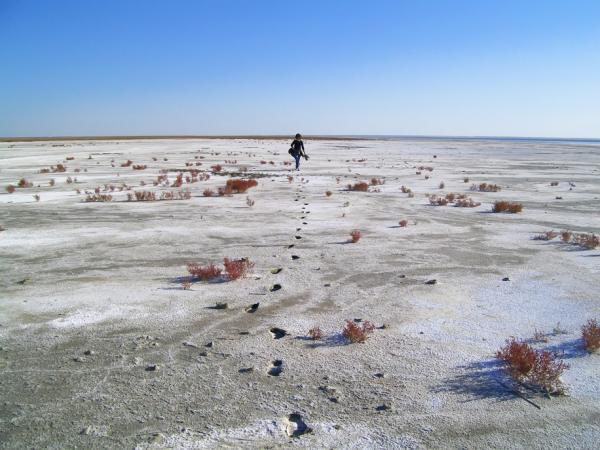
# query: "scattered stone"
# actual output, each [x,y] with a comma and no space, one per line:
[275,287]
[24,280]
[246,370]
[79,359]
[298,237]
[278,333]
[152,368]
[431,282]
[221,305]
[276,368]
[276,270]
[384,407]
[210,344]
[379,375]
[89,352]
[383,327]
[295,425]
[505,279]
[252,308]
[291,246]
[294,257]
[189,344]
[327,285]
[203,354]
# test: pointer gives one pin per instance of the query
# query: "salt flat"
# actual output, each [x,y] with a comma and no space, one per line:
[91,295]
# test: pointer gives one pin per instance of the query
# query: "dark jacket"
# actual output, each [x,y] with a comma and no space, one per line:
[297,147]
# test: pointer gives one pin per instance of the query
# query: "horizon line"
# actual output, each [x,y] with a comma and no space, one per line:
[284,136]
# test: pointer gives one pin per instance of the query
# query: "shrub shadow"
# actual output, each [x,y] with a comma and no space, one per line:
[480,380]
[569,349]
[334,340]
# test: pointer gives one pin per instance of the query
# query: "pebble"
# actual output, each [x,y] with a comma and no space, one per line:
[152,368]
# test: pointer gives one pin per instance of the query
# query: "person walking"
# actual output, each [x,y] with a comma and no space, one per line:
[297,150]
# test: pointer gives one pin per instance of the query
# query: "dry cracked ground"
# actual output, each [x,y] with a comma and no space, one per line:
[103,345]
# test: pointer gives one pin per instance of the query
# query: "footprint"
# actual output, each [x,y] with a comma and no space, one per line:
[277,333]
[275,287]
[291,246]
[295,425]
[252,308]
[298,237]
[276,368]
[298,229]
[304,223]
[294,257]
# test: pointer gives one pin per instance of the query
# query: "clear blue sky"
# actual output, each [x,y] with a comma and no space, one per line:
[503,68]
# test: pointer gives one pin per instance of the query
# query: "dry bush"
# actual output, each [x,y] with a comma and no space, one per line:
[377,181]
[99,198]
[405,190]
[357,333]
[237,268]
[139,167]
[508,207]
[355,236]
[437,201]
[566,236]
[240,185]
[70,158]
[484,187]
[466,203]
[225,191]
[178,181]
[290,178]
[44,170]
[216,168]
[23,183]
[589,241]
[328,193]
[538,368]
[249,202]
[545,236]
[36,197]
[59,168]
[69,180]
[208,193]
[590,333]
[142,196]
[450,197]
[10,189]
[127,163]
[315,334]
[204,273]
[186,285]
[360,187]
[403,223]
[554,183]
[442,185]
[465,179]
[52,182]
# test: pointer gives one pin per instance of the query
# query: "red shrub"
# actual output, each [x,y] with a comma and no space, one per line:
[178,181]
[519,357]
[466,203]
[589,241]
[566,236]
[139,166]
[357,333]
[23,183]
[328,193]
[99,198]
[355,236]
[59,168]
[377,181]
[438,201]
[590,333]
[70,158]
[484,187]
[225,191]
[545,236]
[216,168]
[442,185]
[237,268]
[315,334]
[240,185]
[403,223]
[127,163]
[361,187]
[204,273]
[208,193]
[539,368]
[10,189]
[504,206]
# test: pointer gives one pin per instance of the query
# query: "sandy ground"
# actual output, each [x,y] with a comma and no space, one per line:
[91,297]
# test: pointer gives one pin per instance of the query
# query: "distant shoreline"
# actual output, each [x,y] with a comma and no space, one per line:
[290,136]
